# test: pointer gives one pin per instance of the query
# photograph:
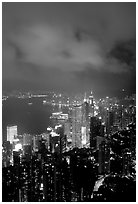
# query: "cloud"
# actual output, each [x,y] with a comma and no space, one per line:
[44,43]
[49,46]
[125,53]
[55,47]
[68,36]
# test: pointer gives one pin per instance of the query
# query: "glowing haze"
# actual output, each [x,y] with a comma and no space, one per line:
[69,47]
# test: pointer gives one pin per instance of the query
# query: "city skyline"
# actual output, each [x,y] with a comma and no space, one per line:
[68,102]
[57,149]
[72,47]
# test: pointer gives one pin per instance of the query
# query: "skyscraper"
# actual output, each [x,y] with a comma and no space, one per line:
[91,104]
[85,123]
[68,132]
[11,133]
[76,126]
[63,138]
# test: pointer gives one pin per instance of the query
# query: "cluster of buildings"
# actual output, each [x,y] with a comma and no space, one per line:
[45,167]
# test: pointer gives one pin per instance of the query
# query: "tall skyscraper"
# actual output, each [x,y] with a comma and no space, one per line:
[63,138]
[85,124]
[67,131]
[36,143]
[91,104]
[11,133]
[54,142]
[76,126]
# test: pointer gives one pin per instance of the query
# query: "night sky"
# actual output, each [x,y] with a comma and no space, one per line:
[69,47]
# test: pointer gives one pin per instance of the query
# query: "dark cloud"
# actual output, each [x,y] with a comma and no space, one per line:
[125,52]
[69,46]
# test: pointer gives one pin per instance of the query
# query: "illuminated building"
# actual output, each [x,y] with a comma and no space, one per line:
[107,122]
[91,104]
[63,116]
[76,126]
[38,139]
[85,124]
[56,179]
[11,133]
[45,137]
[101,159]
[68,132]
[25,180]
[110,121]
[58,118]
[58,139]
[107,157]
[7,154]
[36,180]
[56,115]
[84,136]
[104,158]
[54,142]
[27,146]
[27,139]
[36,143]
[126,161]
[49,179]
[18,147]
[63,138]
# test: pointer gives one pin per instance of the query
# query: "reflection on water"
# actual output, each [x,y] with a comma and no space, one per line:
[33,119]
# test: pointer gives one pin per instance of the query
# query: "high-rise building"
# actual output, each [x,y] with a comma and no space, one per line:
[16,158]
[126,161]
[104,157]
[11,133]
[62,137]
[45,137]
[101,160]
[36,180]
[27,139]
[96,129]
[76,126]
[27,149]
[110,121]
[85,124]
[91,104]
[107,157]
[36,143]
[54,142]
[7,154]
[68,132]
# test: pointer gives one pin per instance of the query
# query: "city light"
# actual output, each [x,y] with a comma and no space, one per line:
[49,129]
[68,102]
[54,134]
[18,147]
